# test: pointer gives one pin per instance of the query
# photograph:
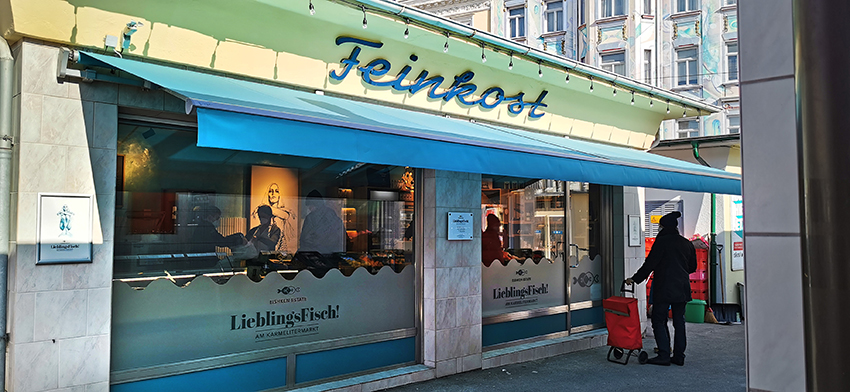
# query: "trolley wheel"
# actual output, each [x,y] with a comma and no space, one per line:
[618,352]
[643,357]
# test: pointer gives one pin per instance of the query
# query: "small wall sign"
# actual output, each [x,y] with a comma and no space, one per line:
[64,228]
[634,230]
[460,226]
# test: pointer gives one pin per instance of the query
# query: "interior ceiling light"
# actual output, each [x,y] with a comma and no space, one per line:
[312,9]
[406,28]
[365,22]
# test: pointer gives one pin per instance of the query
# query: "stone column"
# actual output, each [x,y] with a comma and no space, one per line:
[452,279]
[65,142]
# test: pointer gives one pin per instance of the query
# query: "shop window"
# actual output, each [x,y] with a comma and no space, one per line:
[732,61]
[612,8]
[686,67]
[253,252]
[554,16]
[538,240]
[615,62]
[516,22]
[687,5]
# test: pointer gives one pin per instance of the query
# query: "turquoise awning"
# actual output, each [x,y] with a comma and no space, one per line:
[243,115]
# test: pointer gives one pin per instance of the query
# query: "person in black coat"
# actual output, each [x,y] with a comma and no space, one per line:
[672,258]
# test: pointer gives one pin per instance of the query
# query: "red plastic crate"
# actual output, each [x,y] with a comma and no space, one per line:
[699,294]
[699,275]
[702,259]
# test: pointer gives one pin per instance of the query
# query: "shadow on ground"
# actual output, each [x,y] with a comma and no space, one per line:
[715,362]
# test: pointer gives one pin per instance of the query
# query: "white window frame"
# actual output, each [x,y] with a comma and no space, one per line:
[611,66]
[733,129]
[689,131]
[687,5]
[559,22]
[612,8]
[647,66]
[519,24]
[689,62]
[729,56]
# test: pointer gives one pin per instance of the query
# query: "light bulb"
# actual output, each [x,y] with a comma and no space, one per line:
[615,92]
[446,47]
[312,9]
[406,32]
[567,80]
[511,64]
[365,23]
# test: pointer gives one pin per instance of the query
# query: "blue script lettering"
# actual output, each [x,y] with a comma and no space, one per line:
[461,88]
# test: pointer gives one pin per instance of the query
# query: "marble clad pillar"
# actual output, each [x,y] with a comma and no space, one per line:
[452,274]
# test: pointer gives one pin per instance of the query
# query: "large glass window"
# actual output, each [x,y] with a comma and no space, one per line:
[614,62]
[540,237]
[516,22]
[612,8]
[524,230]
[686,67]
[220,252]
[554,16]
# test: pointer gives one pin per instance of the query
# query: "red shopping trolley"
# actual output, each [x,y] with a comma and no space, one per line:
[623,323]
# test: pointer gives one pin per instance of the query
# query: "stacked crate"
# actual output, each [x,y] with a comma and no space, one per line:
[699,279]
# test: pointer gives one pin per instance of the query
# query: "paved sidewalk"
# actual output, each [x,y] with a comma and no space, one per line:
[715,362]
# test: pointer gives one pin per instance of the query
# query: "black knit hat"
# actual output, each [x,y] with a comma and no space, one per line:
[670,220]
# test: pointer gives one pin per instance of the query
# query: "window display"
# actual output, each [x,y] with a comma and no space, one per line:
[184,210]
[257,254]
[522,245]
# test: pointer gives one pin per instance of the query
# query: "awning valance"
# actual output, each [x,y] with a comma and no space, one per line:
[244,115]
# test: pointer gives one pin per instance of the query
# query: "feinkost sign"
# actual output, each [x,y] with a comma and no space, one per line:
[460,89]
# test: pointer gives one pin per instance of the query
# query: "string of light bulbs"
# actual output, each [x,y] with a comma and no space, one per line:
[482,44]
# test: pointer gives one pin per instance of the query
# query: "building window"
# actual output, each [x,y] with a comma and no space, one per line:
[516,21]
[687,128]
[647,7]
[733,123]
[731,2]
[581,11]
[554,16]
[686,67]
[613,8]
[615,62]
[732,61]
[647,66]
[687,5]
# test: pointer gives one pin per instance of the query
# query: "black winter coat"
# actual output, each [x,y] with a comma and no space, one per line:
[672,258]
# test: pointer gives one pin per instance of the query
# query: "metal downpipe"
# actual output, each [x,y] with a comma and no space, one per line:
[7,78]
[712,252]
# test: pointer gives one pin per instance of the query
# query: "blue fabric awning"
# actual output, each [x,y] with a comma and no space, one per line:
[243,115]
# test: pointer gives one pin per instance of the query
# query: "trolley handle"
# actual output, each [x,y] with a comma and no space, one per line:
[624,290]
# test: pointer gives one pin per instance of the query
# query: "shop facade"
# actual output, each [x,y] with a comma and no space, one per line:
[271,213]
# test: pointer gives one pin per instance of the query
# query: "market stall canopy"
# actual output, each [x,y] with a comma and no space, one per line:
[244,115]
